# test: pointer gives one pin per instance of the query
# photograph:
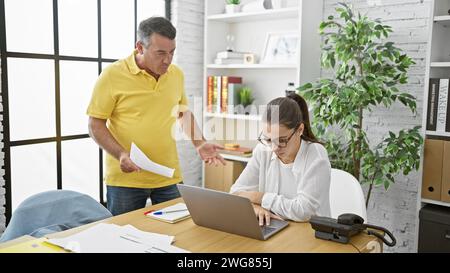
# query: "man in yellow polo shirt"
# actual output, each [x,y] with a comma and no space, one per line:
[138,99]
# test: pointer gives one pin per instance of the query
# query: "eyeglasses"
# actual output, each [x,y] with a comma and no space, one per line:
[281,142]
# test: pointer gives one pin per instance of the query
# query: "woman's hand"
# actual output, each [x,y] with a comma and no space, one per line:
[264,215]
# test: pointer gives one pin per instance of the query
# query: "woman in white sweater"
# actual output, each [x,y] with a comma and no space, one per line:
[288,175]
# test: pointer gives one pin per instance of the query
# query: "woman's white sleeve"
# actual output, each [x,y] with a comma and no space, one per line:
[249,178]
[311,193]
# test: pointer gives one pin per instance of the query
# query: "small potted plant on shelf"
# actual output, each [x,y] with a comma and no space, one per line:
[246,99]
[232,6]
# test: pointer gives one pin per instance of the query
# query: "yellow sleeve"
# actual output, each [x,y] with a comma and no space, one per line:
[183,102]
[102,102]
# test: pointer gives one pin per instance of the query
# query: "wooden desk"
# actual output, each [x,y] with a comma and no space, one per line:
[297,237]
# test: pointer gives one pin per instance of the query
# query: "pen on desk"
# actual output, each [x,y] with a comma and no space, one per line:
[147,212]
[168,211]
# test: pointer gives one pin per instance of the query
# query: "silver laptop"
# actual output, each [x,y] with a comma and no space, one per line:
[226,212]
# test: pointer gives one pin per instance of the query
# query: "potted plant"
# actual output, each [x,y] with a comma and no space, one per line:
[232,6]
[246,99]
[367,73]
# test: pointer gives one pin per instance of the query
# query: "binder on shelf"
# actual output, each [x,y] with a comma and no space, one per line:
[447,126]
[441,115]
[432,169]
[433,95]
[445,190]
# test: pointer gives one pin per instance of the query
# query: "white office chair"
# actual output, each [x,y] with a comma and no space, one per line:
[346,195]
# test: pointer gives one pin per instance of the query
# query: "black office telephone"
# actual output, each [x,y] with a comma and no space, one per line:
[345,226]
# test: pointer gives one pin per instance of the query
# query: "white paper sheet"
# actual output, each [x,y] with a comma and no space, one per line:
[142,161]
[110,238]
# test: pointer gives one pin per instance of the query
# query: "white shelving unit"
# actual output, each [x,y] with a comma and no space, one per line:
[255,16]
[437,66]
[232,116]
[267,81]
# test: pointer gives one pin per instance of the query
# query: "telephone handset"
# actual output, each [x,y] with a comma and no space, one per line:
[346,225]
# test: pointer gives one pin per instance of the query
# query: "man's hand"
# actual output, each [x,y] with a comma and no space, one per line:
[264,215]
[209,153]
[126,165]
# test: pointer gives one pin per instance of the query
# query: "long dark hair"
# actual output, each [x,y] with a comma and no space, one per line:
[292,111]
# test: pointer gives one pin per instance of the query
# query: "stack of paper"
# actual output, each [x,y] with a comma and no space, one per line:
[110,238]
[171,214]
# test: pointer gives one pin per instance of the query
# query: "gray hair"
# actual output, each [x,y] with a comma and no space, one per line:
[159,25]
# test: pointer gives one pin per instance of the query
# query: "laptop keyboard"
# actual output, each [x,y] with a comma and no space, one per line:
[266,230]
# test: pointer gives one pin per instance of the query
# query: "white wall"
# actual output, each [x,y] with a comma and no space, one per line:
[396,209]
[188,16]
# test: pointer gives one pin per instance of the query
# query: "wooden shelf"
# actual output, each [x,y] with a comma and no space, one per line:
[443,20]
[434,133]
[251,66]
[233,116]
[440,203]
[271,14]
[440,64]
[236,157]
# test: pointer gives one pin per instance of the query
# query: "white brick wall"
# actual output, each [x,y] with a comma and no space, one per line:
[396,209]
[188,16]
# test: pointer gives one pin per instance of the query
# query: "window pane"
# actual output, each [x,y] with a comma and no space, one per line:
[77,83]
[117,28]
[105,65]
[146,9]
[31,89]
[29,26]
[33,170]
[78,37]
[80,169]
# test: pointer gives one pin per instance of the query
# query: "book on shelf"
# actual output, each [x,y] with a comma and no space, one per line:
[216,94]
[237,150]
[229,61]
[226,81]
[231,54]
[433,92]
[209,93]
[438,106]
[442,105]
[221,92]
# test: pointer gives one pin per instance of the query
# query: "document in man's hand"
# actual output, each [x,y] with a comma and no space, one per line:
[171,214]
[142,161]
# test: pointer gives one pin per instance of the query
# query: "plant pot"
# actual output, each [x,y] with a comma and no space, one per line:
[230,8]
[278,4]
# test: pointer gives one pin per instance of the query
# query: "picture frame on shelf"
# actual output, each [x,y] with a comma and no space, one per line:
[280,48]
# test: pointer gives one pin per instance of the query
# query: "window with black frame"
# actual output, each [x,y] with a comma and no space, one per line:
[51,55]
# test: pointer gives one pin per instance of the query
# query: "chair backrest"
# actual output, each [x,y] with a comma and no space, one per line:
[53,211]
[346,195]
